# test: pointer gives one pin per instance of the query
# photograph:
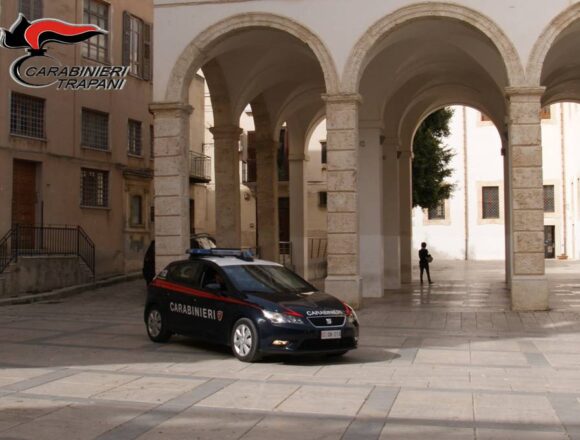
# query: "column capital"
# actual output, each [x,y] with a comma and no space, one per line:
[159,108]
[226,132]
[524,91]
[343,98]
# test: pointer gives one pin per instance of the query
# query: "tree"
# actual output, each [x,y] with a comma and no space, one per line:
[431,158]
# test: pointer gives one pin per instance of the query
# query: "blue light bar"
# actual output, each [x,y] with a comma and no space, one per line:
[222,252]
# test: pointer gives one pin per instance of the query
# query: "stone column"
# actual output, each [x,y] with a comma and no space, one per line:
[370,183]
[391,215]
[405,214]
[507,211]
[267,197]
[227,186]
[343,278]
[529,286]
[297,189]
[171,182]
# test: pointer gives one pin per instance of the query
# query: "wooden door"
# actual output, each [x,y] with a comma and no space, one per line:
[24,201]
[24,193]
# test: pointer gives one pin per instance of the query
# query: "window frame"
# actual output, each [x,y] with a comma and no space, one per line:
[13,119]
[86,145]
[132,124]
[105,189]
[553,189]
[141,222]
[141,64]
[485,204]
[104,22]
[36,9]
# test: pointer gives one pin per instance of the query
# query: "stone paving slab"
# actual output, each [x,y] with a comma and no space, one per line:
[446,362]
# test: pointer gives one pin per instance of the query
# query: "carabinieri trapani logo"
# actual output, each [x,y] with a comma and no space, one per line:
[37,69]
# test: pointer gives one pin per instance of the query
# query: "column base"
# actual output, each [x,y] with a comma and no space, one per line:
[530,294]
[346,288]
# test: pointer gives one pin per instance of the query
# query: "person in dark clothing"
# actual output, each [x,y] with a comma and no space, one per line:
[424,260]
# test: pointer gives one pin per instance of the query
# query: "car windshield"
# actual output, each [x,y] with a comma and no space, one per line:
[266,279]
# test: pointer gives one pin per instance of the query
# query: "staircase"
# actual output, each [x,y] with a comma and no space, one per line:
[42,258]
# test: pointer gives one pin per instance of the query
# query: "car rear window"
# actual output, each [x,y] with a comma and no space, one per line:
[266,279]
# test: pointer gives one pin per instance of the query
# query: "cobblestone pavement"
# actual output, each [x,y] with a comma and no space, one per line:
[446,362]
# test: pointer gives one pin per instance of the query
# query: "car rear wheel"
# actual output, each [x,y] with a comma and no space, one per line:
[244,340]
[157,325]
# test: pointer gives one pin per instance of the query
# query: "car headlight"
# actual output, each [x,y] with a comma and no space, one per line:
[350,313]
[281,318]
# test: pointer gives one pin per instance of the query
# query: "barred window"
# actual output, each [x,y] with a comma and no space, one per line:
[490,202]
[322,198]
[95,129]
[549,203]
[136,211]
[27,115]
[94,188]
[31,9]
[134,138]
[323,152]
[437,213]
[97,47]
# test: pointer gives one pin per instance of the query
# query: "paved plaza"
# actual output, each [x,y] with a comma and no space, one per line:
[447,362]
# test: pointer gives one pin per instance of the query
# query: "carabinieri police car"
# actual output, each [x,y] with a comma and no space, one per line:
[257,307]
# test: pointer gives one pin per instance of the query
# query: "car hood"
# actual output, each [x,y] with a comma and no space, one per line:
[310,304]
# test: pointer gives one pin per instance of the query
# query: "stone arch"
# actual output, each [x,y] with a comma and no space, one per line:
[357,60]
[546,40]
[195,54]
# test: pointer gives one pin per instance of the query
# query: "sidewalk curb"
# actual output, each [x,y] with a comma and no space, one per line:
[70,291]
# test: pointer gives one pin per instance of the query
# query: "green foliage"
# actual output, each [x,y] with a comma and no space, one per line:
[431,160]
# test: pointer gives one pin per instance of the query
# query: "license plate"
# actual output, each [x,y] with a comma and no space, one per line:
[330,334]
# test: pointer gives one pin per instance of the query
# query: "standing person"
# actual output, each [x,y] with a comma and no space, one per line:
[424,259]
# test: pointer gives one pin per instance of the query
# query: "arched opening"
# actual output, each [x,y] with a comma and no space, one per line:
[417,65]
[465,232]
[264,83]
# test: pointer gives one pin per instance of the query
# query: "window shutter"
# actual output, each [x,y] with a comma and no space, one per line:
[126,38]
[37,13]
[147,52]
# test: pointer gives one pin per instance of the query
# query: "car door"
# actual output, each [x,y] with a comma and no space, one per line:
[218,306]
[181,281]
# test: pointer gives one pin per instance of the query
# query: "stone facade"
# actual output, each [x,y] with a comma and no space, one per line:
[393,71]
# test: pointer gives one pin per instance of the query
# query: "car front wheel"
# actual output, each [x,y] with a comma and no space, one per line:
[244,340]
[157,325]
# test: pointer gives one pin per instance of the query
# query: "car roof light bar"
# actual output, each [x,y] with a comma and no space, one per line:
[245,255]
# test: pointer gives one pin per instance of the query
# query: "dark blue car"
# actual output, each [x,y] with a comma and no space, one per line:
[257,307]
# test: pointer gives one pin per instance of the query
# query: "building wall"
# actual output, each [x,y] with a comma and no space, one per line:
[485,239]
[119,247]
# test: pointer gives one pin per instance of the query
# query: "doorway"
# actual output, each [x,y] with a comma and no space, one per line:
[24,192]
[549,242]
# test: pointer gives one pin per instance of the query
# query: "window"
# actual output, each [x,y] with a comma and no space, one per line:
[31,9]
[323,152]
[136,211]
[27,116]
[137,46]
[549,204]
[322,198]
[437,213]
[490,202]
[94,188]
[97,47]
[134,138]
[95,130]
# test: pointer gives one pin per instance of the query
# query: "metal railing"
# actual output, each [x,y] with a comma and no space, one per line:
[30,240]
[199,166]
